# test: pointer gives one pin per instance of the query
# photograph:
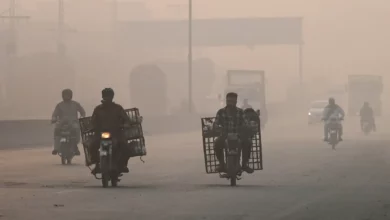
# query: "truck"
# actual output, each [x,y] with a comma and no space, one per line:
[364,88]
[248,84]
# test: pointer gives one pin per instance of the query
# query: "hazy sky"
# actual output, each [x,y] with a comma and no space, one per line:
[341,37]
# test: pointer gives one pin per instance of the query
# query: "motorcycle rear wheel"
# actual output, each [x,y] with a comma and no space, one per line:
[63,160]
[114,180]
[105,180]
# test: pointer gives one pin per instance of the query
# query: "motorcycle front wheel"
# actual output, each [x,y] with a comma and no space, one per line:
[231,165]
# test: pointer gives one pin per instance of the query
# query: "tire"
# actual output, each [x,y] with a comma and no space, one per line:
[105,171]
[63,160]
[105,180]
[114,180]
[333,140]
[231,165]
[233,181]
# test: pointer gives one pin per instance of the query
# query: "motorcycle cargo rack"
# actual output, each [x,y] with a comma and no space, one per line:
[134,135]
[209,136]
[87,137]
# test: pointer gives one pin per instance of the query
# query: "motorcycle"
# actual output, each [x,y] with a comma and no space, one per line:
[108,147]
[109,170]
[232,151]
[367,127]
[334,127]
[232,154]
[67,142]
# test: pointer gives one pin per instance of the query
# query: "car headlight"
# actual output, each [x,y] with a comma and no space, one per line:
[309,113]
[106,135]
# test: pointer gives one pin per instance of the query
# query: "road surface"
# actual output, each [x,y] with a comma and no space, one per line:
[302,179]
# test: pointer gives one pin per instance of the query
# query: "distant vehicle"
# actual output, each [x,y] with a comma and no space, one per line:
[364,88]
[315,111]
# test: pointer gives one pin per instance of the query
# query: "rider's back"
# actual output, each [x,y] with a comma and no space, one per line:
[108,117]
[67,110]
[366,112]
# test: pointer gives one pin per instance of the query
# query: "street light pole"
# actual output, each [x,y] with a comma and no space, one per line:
[190,55]
[61,48]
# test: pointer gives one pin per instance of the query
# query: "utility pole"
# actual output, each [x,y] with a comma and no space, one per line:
[114,23]
[61,48]
[11,46]
[190,56]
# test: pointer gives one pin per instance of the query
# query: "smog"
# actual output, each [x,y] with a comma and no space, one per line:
[176,62]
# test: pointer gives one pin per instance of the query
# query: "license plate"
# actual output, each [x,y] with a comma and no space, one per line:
[333,131]
[63,140]
[106,143]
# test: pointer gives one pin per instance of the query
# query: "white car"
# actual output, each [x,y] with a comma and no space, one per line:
[316,110]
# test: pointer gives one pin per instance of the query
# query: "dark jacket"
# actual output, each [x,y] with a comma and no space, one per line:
[109,117]
[366,112]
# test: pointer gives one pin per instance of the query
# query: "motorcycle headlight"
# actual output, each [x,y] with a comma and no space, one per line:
[106,135]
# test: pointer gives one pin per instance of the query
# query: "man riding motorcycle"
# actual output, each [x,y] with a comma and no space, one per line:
[332,109]
[367,115]
[232,120]
[67,111]
[110,117]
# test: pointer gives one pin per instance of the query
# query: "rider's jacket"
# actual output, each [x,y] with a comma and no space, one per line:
[366,112]
[333,110]
[109,117]
[68,110]
[230,123]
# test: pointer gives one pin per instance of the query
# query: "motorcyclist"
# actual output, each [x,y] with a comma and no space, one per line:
[367,115]
[67,111]
[231,119]
[332,109]
[246,104]
[110,117]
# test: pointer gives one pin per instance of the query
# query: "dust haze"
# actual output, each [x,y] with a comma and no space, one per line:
[340,38]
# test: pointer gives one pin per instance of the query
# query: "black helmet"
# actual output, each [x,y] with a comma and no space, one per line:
[332,101]
[108,94]
[67,94]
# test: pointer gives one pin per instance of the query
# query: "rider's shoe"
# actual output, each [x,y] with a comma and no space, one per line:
[221,168]
[96,169]
[125,170]
[54,152]
[247,169]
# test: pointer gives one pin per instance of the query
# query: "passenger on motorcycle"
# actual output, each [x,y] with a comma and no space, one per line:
[231,119]
[332,110]
[110,117]
[246,104]
[67,111]
[367,115]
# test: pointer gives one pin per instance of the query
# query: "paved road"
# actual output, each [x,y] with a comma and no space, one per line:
[303,179]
